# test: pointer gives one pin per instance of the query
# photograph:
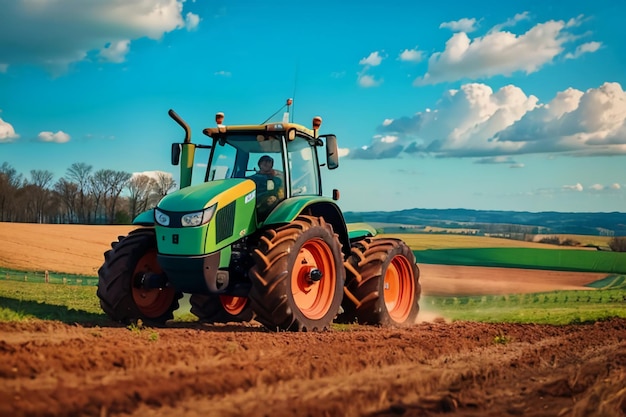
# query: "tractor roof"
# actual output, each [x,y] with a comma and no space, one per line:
[268,127]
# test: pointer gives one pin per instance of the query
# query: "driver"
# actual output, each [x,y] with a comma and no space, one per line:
[269,184]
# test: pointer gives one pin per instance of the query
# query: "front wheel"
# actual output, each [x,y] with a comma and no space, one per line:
[382,283]
[298,276]
[121,296]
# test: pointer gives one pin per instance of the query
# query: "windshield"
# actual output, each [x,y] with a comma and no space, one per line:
[238,156]
[243,156]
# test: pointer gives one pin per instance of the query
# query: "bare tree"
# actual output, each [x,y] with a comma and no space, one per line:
[98,186]
[39,192]
[80,174]
[10,182]
[107,187]
[68,194]
[164,183]
[140,187]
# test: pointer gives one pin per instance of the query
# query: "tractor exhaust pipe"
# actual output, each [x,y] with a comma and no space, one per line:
[182,124]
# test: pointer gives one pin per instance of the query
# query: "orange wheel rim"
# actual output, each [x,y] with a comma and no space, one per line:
[151,302]
[314,298]
[233,305]
[399,289]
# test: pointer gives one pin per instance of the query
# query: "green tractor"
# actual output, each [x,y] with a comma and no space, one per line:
[256,239]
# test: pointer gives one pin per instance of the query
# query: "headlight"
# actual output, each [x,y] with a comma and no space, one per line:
[198,218]
[161,218]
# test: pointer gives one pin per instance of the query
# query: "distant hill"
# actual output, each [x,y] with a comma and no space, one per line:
[491,221]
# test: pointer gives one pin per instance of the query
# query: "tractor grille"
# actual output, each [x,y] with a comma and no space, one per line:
[225,219]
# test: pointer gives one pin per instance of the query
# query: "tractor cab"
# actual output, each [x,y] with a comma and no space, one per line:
[280,158]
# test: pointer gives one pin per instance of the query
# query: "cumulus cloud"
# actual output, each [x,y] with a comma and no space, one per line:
[411,55]
[475,121]
[589,123]
[500,52]
[461,25]
[58,137]
[372,60]
[115,52]
[7,133]
[55,34]
[583,49]
[577,187]
[364,79]
[192,21]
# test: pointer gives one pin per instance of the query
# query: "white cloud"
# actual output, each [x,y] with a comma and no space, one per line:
[58,137]
[589,123]
[583,49]
[476,121]
[461,25]
[498,52]
[577,187]
[153,174]
[343,152]
[115,52]
[4,68]
[411,55]
[372,60]
[615,186]
[366,80]
[7,133]
[192,21]
[223,73]
[55,34]
[511,22]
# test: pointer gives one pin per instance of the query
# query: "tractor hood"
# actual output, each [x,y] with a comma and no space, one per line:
[205,218]
[201,196]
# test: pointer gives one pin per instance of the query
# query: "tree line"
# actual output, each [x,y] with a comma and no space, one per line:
[81,196]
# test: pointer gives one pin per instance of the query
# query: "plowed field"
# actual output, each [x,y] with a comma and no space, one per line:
[431,369]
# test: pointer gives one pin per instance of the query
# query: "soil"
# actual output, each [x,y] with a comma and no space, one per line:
[433,368]
[430,369]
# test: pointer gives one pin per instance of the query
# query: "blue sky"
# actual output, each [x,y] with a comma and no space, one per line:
[463,104]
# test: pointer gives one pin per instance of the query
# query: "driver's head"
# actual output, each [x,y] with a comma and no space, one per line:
[266,163]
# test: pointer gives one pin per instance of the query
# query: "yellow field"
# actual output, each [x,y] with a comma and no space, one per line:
[79,249]
[73,249]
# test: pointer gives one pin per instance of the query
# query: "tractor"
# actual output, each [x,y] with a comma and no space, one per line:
[255,239]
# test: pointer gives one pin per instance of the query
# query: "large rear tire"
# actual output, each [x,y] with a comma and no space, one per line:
[133,256]
[298,276]
[221,308]
[382,286]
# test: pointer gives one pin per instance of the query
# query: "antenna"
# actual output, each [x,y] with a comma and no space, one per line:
[295,85]
[287,104]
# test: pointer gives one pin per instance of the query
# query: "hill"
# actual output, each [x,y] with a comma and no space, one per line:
[492,221]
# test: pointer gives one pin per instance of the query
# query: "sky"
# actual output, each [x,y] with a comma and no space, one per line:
[485,105]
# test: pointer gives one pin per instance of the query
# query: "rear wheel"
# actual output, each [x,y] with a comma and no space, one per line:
[382,284]
[221,308]
[121,296]
[298,276]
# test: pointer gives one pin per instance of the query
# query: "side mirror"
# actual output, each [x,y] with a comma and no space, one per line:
[176,148]
[332,152]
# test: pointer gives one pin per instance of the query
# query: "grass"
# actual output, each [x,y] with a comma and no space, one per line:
[556,307]
[66,303]
[79,304]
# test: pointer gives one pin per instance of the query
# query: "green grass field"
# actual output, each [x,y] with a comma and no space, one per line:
[79,304]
